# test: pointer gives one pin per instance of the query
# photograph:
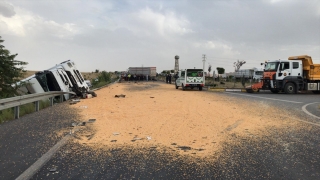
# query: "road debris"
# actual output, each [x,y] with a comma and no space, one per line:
[120,96]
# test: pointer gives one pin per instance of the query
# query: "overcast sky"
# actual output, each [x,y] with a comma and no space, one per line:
[113,35]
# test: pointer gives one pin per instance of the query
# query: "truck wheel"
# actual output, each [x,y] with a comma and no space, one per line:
[290,88]
[200,88]
[274,91]
[249,90]
[183,87]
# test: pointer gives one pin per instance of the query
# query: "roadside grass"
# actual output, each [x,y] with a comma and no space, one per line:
[8,114]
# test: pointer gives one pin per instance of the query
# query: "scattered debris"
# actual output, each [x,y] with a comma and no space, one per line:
[85,107]
[115,133]
[74,101]
[54,169]
[91,120]
[90,137]
[82,124]
[74,124]
[114,140]
[120,96]
[151,97]
[184,148]
[148,137]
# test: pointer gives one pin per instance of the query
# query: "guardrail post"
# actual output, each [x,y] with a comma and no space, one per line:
[16,112]
[61,98]
[37,105]
[51,101]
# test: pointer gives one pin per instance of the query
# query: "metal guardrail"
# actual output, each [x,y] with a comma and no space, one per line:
[17,101]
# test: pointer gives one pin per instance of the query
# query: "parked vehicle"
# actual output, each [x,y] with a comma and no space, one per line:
[190,78]
[255,73]
[298,73]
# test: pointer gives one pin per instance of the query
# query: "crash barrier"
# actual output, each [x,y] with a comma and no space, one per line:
[17,101]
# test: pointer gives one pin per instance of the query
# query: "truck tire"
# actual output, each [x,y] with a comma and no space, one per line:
[290,88]
[200,88]
[183,87]
[275,91]
[249,90]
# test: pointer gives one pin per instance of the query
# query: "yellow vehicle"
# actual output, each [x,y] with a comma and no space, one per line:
[298,73]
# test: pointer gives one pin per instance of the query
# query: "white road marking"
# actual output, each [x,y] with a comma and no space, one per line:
[35,167]
[304,109]
[264,98]
[315,124]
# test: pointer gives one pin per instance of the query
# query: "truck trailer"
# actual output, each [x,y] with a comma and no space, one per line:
[298,73]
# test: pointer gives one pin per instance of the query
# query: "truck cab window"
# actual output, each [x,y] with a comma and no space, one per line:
[284,65]
[295,65]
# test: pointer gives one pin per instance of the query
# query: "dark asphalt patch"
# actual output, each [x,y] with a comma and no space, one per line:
[290,153]
[25,140]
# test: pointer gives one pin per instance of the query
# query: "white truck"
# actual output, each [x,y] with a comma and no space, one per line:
[190,78]
[79,86]
[255,73]
[62,77]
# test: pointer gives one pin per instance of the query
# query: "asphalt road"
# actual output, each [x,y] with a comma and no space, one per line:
[290,153]
[305,105]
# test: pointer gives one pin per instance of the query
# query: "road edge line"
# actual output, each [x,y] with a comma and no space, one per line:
[35,167]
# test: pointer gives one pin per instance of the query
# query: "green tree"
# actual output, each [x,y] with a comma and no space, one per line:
[220,71]
[11,71]
[105,76]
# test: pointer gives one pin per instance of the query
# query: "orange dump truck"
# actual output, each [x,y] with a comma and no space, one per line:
[298,73]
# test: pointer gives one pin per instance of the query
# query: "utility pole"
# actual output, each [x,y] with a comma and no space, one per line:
[204,62]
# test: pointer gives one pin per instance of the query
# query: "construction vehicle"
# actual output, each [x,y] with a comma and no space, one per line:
[298,73]
[190,78]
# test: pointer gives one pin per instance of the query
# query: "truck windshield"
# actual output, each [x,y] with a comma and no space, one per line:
[272,66]
[259,72]
[194,74]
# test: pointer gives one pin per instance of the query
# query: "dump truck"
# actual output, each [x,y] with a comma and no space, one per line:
[298,73]
[190,78]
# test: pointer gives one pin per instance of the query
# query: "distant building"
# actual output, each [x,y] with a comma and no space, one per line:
[150,71]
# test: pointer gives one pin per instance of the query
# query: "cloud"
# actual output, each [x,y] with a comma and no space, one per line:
[163,23]
[25,23]
[6,9]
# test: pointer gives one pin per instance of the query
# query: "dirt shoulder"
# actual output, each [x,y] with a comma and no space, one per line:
[156,114]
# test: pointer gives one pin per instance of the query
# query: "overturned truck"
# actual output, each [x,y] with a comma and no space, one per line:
[63,77]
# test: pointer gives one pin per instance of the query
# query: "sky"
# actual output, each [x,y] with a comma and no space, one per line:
[113,35]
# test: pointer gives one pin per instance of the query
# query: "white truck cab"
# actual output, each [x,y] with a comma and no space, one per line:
[190,78]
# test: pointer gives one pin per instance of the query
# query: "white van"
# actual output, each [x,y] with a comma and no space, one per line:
[190,78]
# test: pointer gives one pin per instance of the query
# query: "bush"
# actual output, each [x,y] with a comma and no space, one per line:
[8,114]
